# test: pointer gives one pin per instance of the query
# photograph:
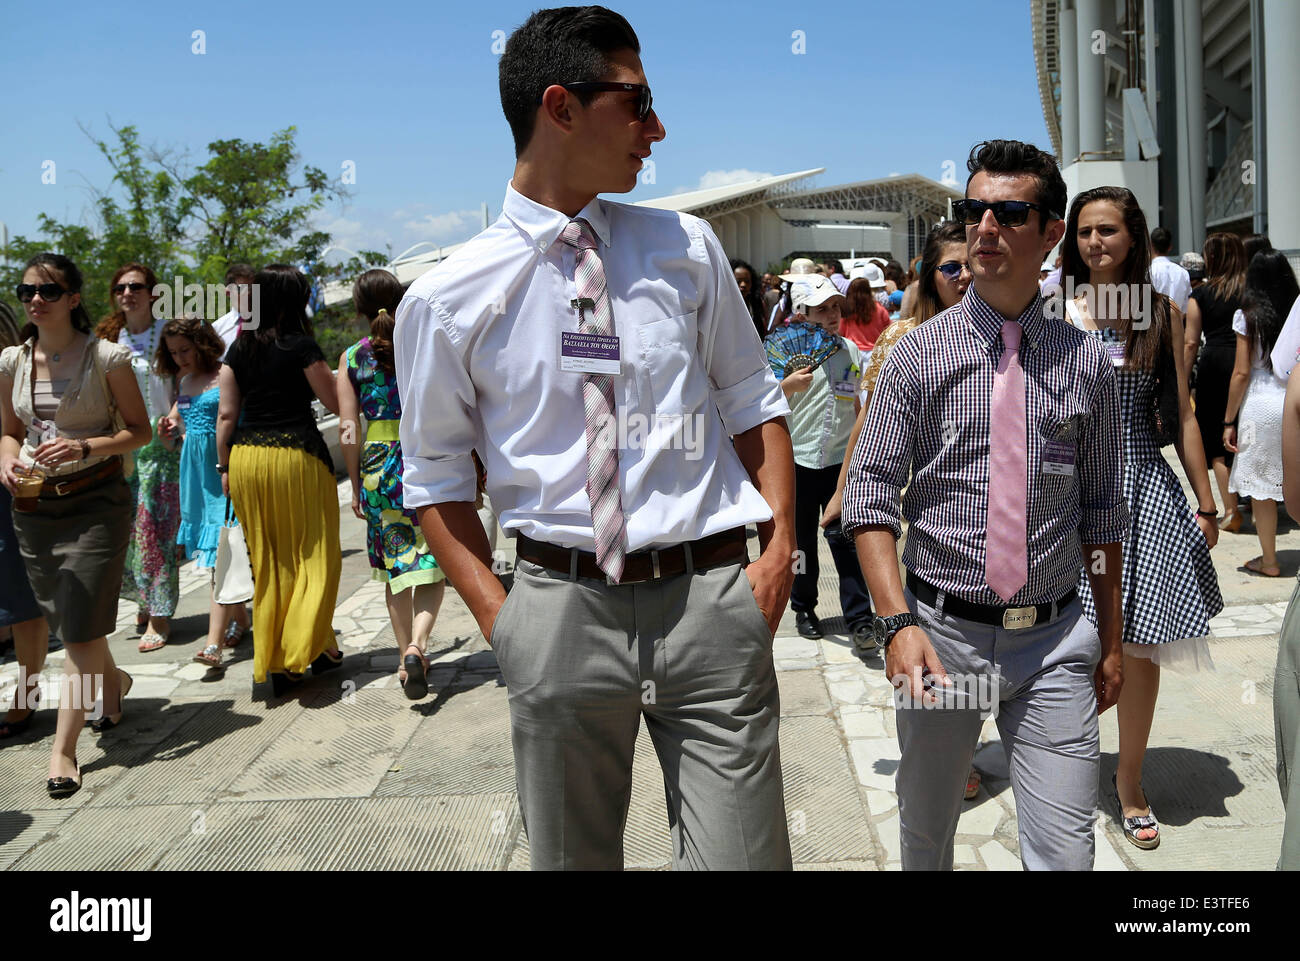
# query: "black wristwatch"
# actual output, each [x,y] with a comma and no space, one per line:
[886,627]
[223,468]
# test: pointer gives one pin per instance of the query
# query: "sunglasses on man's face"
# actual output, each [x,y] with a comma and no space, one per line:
[49,292]
[123,288]
[1008,213]
[643,104]
[951,269]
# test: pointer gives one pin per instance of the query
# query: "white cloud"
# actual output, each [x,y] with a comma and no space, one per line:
[371,229]
[724,178]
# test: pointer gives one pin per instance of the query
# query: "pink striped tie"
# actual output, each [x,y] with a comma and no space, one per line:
[607,521]
[1006,561]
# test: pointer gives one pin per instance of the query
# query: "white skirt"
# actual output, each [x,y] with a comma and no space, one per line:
[1257,467]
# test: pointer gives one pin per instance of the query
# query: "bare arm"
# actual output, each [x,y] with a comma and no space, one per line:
[1187,440]
[11,434]
[1102,562]
[768,456]
[1192,334]
[321,379]
[1236,391]
[227,413]
[349,430]
[835,507]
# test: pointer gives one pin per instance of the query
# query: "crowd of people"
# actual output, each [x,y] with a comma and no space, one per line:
[1018,429]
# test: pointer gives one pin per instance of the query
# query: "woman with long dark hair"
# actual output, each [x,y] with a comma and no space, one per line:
[152,566]
[399,556]
[70,408]
[747,281]
[864,319]
[1256,397]
[1210,310]
[1169,587]
[278,471]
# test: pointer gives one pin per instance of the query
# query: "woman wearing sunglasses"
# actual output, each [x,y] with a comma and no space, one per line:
[70,408]
[152,568]
[1170,590]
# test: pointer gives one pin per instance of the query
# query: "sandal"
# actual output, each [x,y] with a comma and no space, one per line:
[210,655]
[107,722]
[1143,822]
[1231,522]
[416,683]
[1256,566]
[14,728]
[151,641]
[235,634]
[972,784]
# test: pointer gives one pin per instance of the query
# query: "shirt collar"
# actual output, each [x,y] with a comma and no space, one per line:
[544,225]
[987,322]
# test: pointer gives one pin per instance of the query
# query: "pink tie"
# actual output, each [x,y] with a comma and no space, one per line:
[607,521]
[1006,562]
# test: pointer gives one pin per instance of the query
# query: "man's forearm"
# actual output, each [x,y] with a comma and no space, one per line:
[456,538]
[1103,564]
[768,456]
[878,555]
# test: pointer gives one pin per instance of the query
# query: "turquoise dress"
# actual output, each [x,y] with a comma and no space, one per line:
[203,506]
[396,546]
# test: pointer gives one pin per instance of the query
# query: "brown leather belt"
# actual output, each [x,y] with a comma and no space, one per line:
[82,480]
[716,550]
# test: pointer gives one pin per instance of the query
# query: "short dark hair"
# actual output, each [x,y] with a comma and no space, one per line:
[1015,157]
[836,266]
[237,272]
[560,45]
[1161,240]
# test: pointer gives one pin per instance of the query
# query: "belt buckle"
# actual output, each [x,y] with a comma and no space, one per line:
[1018,618]
[654,573]
[58,488]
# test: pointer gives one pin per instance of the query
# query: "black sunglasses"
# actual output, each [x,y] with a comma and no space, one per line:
[135,288]
[951,269]
[599,86]
[49,292]
[1008,213]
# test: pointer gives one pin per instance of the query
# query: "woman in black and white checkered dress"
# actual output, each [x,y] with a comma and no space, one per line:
[1169,587]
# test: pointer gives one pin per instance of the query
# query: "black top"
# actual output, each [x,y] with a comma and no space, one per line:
[273,388]
[1216,317]
[275,396]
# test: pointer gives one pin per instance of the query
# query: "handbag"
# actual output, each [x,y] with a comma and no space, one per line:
[233,578]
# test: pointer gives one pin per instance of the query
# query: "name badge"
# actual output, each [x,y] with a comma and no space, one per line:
[846,389]
[1116,349]
[1058,458]
[589,353]
[183,402]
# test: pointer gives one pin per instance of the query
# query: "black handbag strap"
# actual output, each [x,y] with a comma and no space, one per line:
[230,510]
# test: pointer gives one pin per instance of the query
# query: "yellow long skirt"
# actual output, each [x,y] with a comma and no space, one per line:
[287,503]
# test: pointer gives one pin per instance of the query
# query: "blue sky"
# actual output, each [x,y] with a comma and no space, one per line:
[408,93]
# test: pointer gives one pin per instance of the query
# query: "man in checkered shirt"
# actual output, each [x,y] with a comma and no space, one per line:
[1008,424]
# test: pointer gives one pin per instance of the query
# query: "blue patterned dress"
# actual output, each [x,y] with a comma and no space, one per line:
[203,506]
[397,549]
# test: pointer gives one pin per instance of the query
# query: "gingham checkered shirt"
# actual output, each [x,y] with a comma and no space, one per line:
[929,418]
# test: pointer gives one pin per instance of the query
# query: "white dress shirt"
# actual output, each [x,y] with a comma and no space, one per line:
[477,349]
[1171,280]
[227,327]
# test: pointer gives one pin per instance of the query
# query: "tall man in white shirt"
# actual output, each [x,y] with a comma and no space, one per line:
[595,353]
[239,281]
[1167,277]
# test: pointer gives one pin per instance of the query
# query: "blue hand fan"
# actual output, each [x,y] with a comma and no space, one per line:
[797,346]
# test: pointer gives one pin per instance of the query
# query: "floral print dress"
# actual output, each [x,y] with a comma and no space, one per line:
[397,550]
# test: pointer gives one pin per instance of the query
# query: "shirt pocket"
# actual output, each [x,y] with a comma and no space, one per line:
[666,351]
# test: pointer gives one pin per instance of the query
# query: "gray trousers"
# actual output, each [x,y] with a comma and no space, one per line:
[1040,682]
[1286,724]
[584,661]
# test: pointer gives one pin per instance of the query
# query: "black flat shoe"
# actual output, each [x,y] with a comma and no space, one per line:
[107,722]
[326,662]
[806,623]
[61,787]
[417,683]
[280,683]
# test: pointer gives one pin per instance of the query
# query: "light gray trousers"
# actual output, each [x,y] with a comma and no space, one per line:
[584,661]
[1041,679]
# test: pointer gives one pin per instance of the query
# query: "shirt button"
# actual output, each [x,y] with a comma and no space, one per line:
[541,245]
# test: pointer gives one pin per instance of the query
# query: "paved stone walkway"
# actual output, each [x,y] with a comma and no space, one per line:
[210,772]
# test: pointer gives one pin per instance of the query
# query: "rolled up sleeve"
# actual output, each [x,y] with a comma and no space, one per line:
[1104,517]
[437,428]
[742,384]
[883,457]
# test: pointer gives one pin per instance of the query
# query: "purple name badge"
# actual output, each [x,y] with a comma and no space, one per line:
[1058,457]
[583,353]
